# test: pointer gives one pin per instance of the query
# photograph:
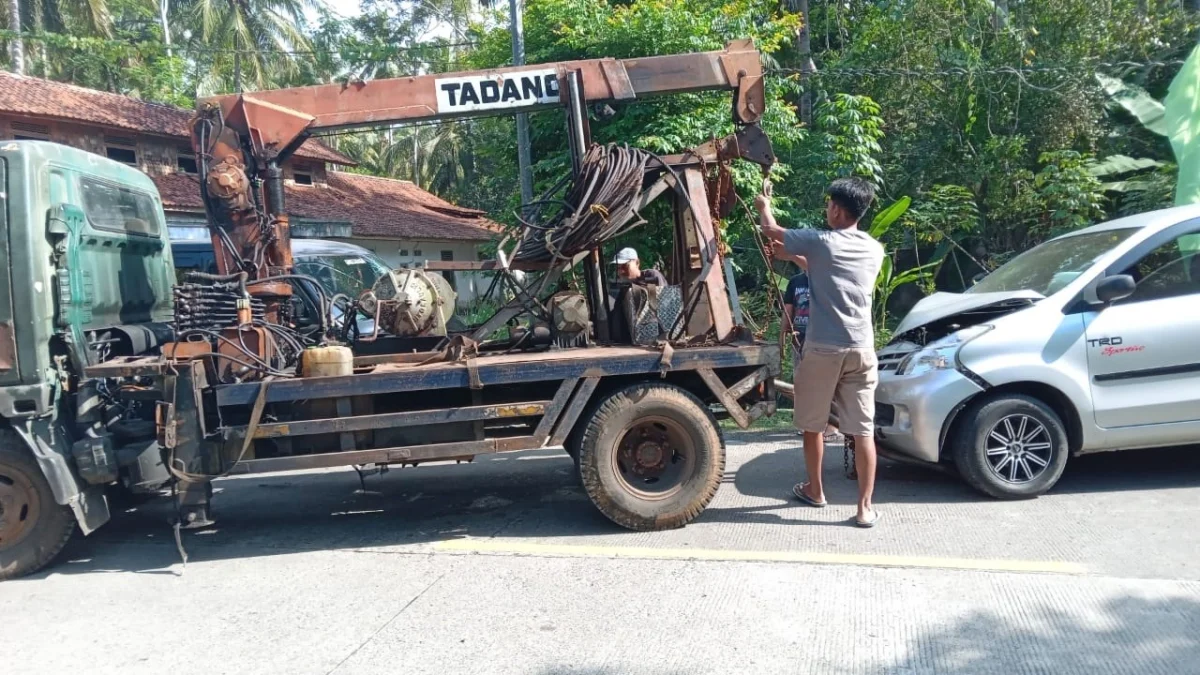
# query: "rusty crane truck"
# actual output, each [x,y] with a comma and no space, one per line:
[135,384]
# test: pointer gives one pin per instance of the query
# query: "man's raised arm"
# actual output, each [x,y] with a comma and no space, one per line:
[766,220]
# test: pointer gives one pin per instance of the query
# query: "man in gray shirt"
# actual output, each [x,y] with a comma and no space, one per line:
[838,361]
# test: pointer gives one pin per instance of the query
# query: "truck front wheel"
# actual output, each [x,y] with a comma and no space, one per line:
[651,457]
[33,527]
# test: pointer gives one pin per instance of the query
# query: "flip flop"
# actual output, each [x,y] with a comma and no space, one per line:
[798,490]
[870,522]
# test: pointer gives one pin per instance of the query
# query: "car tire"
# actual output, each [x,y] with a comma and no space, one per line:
[33,527]
[651,457]
[1010,447]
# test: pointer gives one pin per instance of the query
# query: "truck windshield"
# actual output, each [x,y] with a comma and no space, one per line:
[346,274]
[1046,268]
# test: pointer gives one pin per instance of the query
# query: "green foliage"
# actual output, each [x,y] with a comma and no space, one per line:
[1073,197]
[851,129]
[1118,164]
[944,212]
[1136,101]
[1147,191]
[889,280]
[882,223]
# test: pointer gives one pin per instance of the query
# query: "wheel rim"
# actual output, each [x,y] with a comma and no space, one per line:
[1019,449]
[654,458]
[20,506]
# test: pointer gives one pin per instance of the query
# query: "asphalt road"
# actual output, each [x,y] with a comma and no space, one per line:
[503,566]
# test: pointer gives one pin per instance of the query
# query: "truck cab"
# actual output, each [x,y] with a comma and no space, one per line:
[87,266]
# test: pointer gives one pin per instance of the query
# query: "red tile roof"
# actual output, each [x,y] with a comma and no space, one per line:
[56,100]
[375,207]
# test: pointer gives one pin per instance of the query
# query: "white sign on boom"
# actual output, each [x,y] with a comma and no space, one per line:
[523,89]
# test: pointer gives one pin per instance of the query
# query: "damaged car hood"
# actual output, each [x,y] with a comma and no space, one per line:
[942,305]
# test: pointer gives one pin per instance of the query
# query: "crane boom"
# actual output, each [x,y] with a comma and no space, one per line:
[277,122]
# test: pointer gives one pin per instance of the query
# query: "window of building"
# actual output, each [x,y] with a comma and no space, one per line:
[403,253]
[416,253]
[303,175]
[186,162]
[123,150]
[24,131]
[112,207]
[450,277]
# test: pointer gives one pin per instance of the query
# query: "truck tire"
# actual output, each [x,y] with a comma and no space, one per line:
[651,457]
[33,527]
[1010,447]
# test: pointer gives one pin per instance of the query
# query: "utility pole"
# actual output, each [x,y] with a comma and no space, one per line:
[16,48]
[523,159]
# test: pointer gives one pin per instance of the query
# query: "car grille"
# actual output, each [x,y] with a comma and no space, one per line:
[885,415]
[890,356]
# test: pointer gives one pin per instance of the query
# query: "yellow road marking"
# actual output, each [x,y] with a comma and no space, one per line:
[585,551]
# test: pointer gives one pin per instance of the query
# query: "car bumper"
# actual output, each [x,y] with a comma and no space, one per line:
[910,411]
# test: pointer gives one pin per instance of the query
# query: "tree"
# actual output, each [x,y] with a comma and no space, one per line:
[16,47]
[252,43]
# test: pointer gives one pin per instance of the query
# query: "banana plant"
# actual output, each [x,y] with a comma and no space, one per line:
[1151,114]
[889,280]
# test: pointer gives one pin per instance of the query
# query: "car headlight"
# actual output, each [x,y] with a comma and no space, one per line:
[939,354]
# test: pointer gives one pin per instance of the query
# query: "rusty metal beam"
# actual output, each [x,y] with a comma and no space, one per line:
[415,453]
[708,255]
[395,420]
[554,409]
[718,389]
[494,371]
[483,265]
[578,402]
[277,121]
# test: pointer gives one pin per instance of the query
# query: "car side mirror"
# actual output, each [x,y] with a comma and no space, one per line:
[1114,288]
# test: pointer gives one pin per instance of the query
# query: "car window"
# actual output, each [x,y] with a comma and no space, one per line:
[1168,271]
[346,274]
[1048,267]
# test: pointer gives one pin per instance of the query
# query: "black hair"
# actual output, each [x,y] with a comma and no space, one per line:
[852,194]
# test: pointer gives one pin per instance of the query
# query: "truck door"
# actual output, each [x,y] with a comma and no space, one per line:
[1144,351]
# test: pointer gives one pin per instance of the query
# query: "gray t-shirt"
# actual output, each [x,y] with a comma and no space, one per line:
[842,268]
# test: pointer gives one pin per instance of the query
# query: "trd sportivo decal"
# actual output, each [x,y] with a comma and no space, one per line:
[497,91]
[1115,345]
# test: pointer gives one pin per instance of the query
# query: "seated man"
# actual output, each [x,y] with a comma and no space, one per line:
[629,268]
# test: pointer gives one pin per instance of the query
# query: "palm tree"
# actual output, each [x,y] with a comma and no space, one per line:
[248,43]
[16,48]
[67,17]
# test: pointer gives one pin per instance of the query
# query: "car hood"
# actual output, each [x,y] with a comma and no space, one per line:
[944,305]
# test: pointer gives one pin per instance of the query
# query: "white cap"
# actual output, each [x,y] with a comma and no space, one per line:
[625,255]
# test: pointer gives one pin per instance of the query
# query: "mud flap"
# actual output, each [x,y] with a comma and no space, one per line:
[49,447]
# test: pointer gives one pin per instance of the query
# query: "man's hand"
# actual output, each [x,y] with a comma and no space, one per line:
[766,220]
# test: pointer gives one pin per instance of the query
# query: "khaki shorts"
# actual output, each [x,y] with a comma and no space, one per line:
[836,378]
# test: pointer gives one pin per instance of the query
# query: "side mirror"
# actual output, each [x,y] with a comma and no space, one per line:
[1114,288]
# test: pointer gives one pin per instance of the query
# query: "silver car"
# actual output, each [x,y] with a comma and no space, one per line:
[1086,343]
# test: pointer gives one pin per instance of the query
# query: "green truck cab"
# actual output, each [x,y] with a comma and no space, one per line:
[89,277]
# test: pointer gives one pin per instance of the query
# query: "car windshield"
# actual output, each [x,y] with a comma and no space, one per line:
[346,274]
[1047,268]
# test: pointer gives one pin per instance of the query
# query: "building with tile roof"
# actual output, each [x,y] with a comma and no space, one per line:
[397,220]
